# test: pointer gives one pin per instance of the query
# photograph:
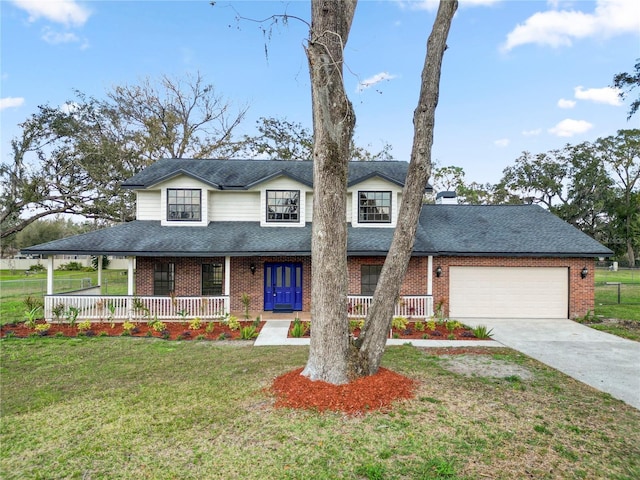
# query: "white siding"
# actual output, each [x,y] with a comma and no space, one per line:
[308,217]
[374,184]
[282,183]
[229,206]
[183,181]
[148,205]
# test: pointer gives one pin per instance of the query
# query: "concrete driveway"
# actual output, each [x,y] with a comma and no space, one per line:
[606,362]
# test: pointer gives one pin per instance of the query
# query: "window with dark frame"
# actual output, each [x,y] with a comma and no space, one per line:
[283,205]
[211,279]
[369,275]
[184,204]
[374,207]
[163,278]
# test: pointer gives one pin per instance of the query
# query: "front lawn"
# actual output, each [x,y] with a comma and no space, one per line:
[131,408]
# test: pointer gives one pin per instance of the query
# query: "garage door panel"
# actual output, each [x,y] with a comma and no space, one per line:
[518,292]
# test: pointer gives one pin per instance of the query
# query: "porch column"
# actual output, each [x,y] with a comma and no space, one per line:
[430,275]
[130,276]
[100,272]
[227,283]
[50,275]
[227,275]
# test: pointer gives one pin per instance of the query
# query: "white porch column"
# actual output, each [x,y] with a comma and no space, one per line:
[227,276]
[227,283]
[50,275]
[130,276]
[100,272]
[430,275]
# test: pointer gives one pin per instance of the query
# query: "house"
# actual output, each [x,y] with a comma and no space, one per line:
[208,231]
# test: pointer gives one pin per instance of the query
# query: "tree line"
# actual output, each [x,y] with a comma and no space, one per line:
[72,160]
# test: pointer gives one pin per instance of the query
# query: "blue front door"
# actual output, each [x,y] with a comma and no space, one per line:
[283,286]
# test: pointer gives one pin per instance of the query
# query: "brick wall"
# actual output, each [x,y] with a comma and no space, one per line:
[188,277]
[581,291]
[415,282]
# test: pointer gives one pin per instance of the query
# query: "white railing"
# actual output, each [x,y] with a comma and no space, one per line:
[123,307]
[414,306]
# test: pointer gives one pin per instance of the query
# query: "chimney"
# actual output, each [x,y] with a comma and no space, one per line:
[446,198]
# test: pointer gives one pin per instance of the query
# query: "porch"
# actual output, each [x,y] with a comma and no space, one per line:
[118,308]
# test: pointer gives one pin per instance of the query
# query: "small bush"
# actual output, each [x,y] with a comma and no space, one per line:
[210,327]
[127,327]
[195,324]
[71,267]
[248,333]
[399,323]
[37,268]
[33,302]
[419,326]
[481,332]
[42,328]
[233,323]
[84,326]
[298,329]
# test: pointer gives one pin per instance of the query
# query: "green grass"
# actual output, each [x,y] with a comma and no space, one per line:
[606,302]
[14,288]
[126,408]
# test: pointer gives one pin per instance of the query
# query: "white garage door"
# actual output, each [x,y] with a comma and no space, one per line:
[503,292]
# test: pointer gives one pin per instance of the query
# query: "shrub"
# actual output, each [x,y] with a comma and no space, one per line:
[127,327]
[58,310]
[431,324]
[38,267]
[233,323]
[72,315]
[246,303]
[42,327]
[195,324]
[355,324]
[210,327]
[158,326]
[481,332]
[248,333]
[33,302]
[399,323]
[71,267]
[84,326]
[31,316]
[299,329]
[419,326]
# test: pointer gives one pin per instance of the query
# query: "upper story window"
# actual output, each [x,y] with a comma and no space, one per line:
[283,205]
[374,207]
[184,204]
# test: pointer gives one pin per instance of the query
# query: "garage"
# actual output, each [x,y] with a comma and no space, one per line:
[509,292]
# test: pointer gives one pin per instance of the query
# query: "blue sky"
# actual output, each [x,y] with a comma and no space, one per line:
[518,75]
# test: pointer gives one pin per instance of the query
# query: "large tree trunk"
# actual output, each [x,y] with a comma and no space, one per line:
[372,340]
[333,124]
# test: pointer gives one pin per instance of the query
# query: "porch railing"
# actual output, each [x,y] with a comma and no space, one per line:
[414,306]
[123,307]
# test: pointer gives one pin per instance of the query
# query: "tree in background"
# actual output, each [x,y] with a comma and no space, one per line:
[627,82]
[73,159]
[280,139]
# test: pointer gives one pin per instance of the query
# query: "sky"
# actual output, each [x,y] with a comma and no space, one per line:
[517,76]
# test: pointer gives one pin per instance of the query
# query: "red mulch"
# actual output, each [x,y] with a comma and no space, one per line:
[411,333]
[375,392]
[174,330]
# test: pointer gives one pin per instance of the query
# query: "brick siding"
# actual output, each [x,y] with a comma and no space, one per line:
[188,273]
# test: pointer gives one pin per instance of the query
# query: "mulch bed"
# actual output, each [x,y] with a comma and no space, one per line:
[412,333]
[173,330]
[375,392]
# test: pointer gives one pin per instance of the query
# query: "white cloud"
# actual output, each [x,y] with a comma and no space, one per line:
[70,107]
[11,102]
[532,133]
[66,12]
[569,127]
[556,28]
[55,38]
[564,103]
[375,79]
[503,142]
[607,95]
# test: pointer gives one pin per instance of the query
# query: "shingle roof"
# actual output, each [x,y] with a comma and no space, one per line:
[244,174]
[522,230]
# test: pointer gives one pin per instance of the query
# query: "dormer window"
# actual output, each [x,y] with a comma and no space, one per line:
[283,206]
[374,207]
[184,204]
